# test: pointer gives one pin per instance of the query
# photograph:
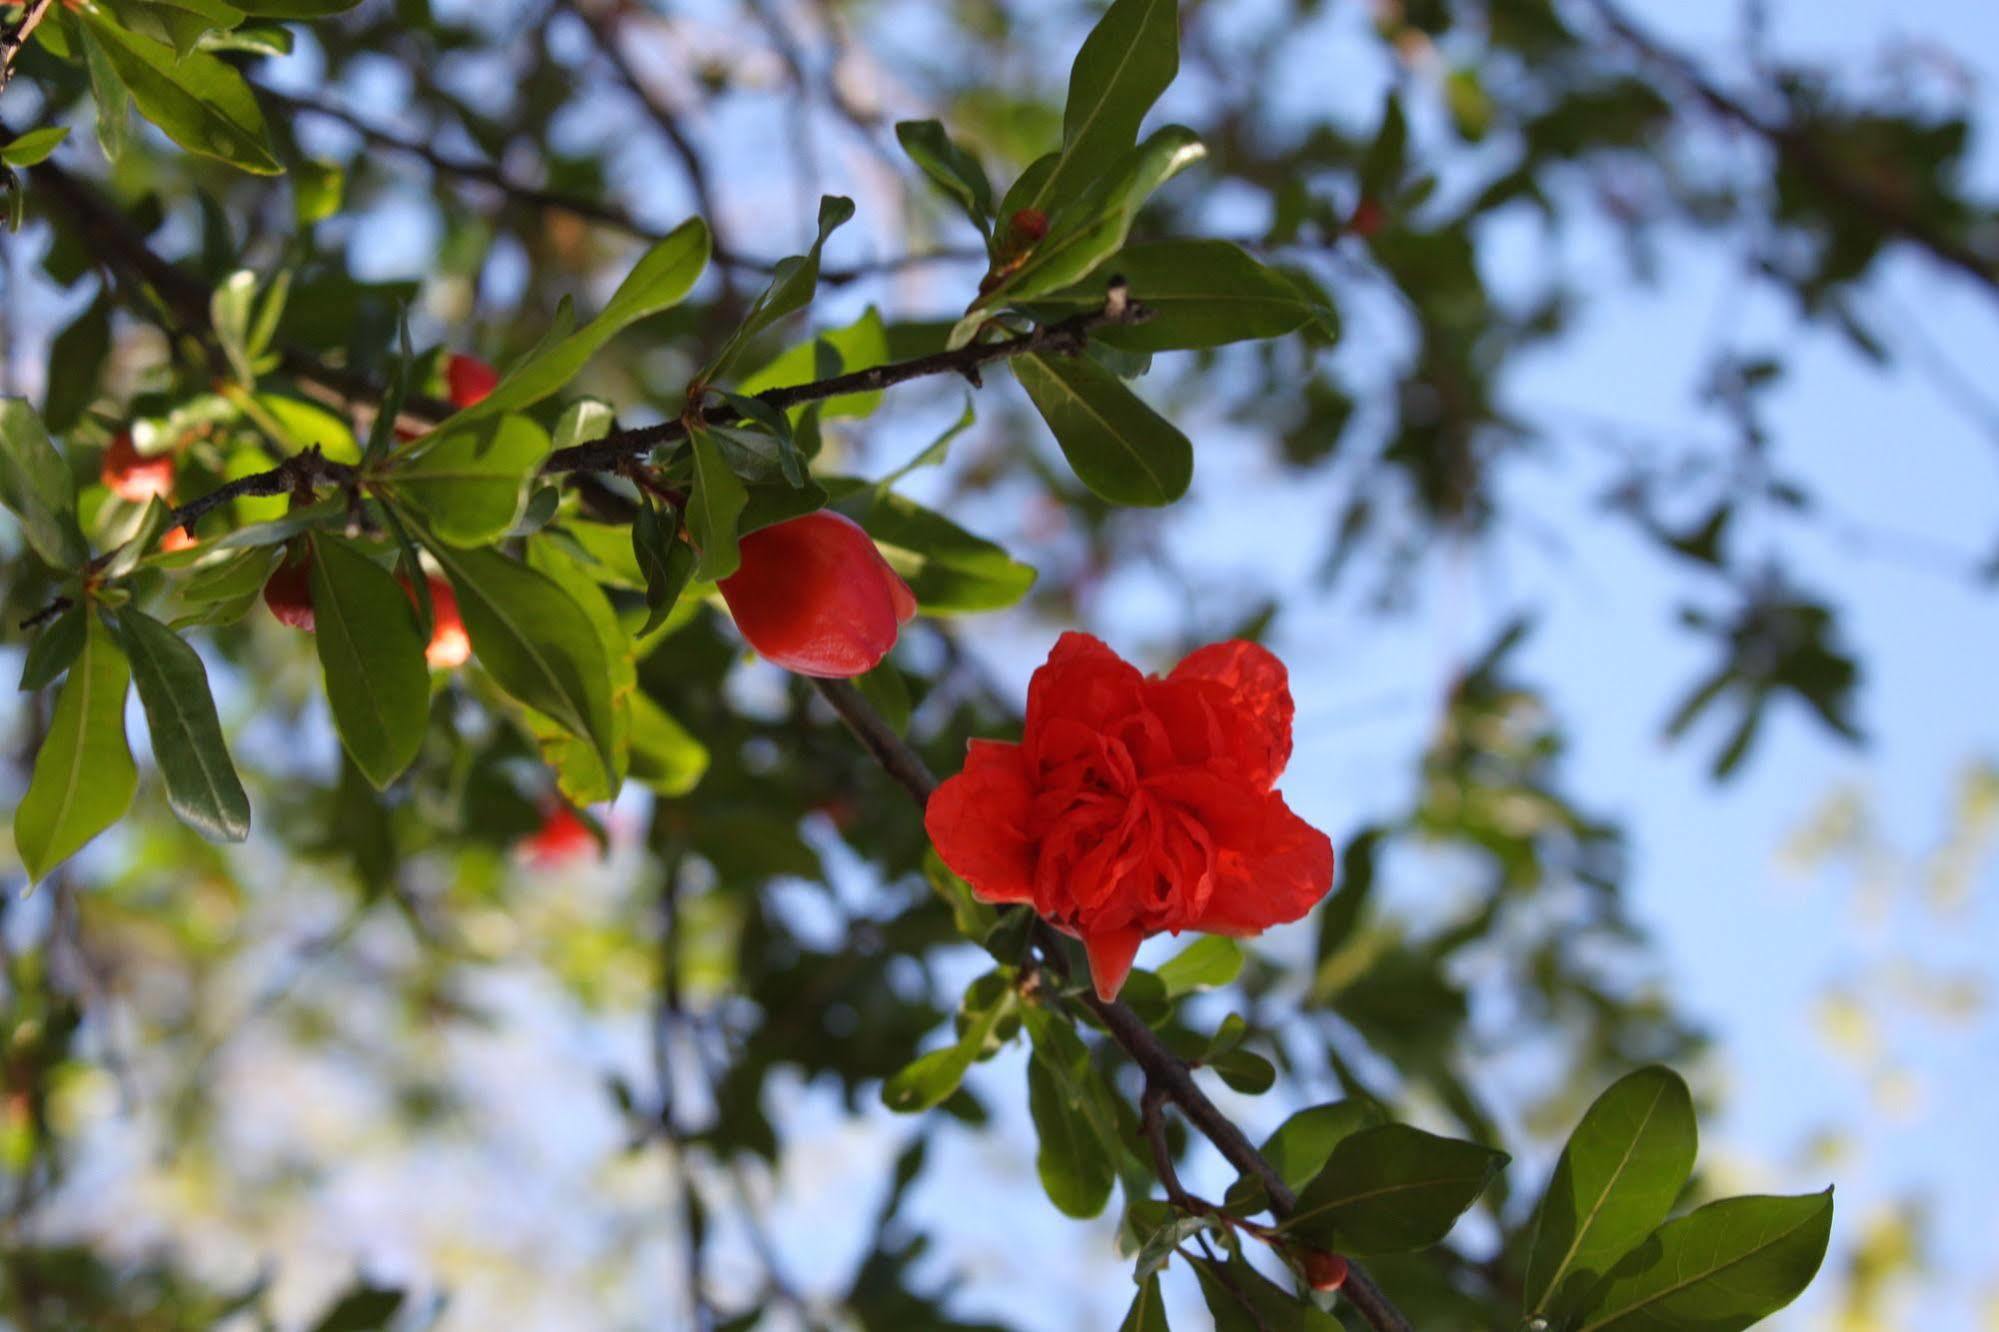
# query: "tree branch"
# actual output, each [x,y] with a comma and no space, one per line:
[1806,154]
[17,37]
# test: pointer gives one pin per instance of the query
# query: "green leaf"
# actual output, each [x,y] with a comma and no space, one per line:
[1299,1148]
[1248,1301]
[75,366]
[470,483]
[1392,1188]
[318,189]
[188,746]
[52,649]
[714,509]
[303,425]
[107,90]
[666,560]
[365,1308]
[295,9]
[933,453]
[1211,960]
[1120,448]
[28,149]
[1202,293]
[201,102]
[1077,1158]
[660,279]
[84,777]
[154,520]
[950,168]
[928,1080]
[1725,1266]
[237,575]
[229,314]
[950,570]
[792,286]
[36,484]
[369,647]
[586,778]
[1148,1310]
[535,641]
[859,345]
[1128,59]
[1619,1175]
[665,756]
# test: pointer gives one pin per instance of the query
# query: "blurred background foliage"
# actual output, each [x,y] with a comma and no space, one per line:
[383,1064]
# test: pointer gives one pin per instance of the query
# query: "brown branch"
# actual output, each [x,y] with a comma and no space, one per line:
[1806,153]
[17,37]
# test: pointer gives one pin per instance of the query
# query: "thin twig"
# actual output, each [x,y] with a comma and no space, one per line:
[1807,154]
[17,37]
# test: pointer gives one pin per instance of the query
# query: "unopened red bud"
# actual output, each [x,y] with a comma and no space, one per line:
[1031,224]
[1325,1271]
[1368,218]
[288,593]
[468,380]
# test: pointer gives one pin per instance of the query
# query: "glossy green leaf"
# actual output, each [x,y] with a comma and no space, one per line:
[859,345]
[1148,1310]
[193,758]
[535,641]
[299,426]
[34,146]
[666,560]
[76,366]
[659,281]
[665,755]
[372,654]
[790,290]
[1118,446]
[1123,66]
[295,9]
[1723,1267]
[35,483]
[52,649]
[1201,293]
[1619,1175]
[925,1082]
[153,522]
[229,310]
[585,777]
[950,570]
[1248,1301]
[1076,1159]
[471,482]
[1392,1188]
[107,89]
[200,101]
[714,510]
[1300,1146]
[1209,961]
[950,168]
[84,776]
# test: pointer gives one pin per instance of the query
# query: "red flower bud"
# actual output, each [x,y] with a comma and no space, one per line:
[177,538]
[1030,224]
[1135,805]
[134,476]
[449,644]
[1325,1271]
[814,596]
[1368,219]
[561,838]
[467,379]
[288,593]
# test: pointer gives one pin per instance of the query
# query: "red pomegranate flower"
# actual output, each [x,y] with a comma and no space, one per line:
[1134,804]
[467,379]
[562,838]
[450,646]
[132,475]
[814,596]
[288,592]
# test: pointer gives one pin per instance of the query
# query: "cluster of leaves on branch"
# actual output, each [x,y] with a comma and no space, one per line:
[516,599]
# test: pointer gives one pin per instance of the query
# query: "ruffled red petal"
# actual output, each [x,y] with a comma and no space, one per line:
[1257,730]
[978,823]
[1082,681]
